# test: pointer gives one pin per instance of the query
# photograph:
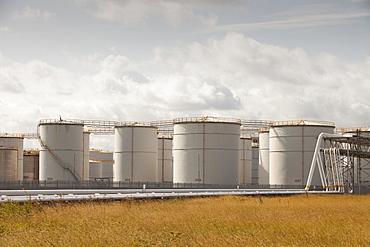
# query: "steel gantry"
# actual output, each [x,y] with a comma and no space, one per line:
[343,162]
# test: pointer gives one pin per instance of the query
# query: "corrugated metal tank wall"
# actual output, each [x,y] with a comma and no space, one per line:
[291,151]
[264,165]
[165,160]
[66,141]
[8,163]
[95,170]
[31,165]
[135,154]
[15,141]
[95,166]
[206,151]
[255,164]
[245,166]
[86,153]
[107,164]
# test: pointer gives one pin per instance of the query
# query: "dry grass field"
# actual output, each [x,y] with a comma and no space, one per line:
[304,220]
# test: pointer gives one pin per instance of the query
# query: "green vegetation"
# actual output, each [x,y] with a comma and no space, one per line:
[304,220]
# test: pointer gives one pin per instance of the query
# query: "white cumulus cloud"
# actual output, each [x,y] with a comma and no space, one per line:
[4,29]
[233,76]
[31,14]
[174,12]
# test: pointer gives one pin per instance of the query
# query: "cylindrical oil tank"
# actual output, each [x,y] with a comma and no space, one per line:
[245,166]
[107,164]
[206,150]
[86,153]
[135,154]
[95,170]
[94,154]
[61,154]
[165,161]
[14,140]
[292,145]
[31,165]
[255,163]
[8,163]
[95,166]
[264,165]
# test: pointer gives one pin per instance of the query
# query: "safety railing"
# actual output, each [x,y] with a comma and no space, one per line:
[135,124]
[207,119]
[303,122]
[61,121]
[11,135]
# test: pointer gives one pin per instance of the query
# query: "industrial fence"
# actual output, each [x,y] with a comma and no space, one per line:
[108,184]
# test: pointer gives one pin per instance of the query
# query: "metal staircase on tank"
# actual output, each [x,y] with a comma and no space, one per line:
[65,165]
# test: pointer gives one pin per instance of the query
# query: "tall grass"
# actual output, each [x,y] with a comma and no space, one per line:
[304,220]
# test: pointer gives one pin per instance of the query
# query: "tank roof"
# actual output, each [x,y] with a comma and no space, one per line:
[9,135]
[8,148]
[207,119]
[264,130]
[303,123]
[31,152]
[134,124]
[170,137]
[354,130]
[61,121]
[246,137]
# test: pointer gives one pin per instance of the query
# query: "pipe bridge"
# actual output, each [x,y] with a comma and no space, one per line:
[342,162]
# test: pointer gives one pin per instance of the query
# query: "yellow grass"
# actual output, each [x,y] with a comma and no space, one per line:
[313,220]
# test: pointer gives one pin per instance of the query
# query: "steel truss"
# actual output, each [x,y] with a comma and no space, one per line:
[343,162]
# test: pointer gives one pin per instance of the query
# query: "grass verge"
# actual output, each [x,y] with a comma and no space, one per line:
[303,220]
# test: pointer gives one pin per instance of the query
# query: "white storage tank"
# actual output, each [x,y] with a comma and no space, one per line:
[206,150]
[94,154]
[31,165]
[86,153]
[8,163]
[61,154]
[14,140]
[95,165]
[245,166]
[264,165]
[107,164]
[292,145]
[135,154]
[165,160]
[95,170]
[255,163]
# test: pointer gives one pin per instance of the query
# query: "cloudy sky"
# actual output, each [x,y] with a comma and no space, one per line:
[145,60]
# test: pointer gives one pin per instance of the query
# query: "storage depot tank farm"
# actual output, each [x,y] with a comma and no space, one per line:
[198,150]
